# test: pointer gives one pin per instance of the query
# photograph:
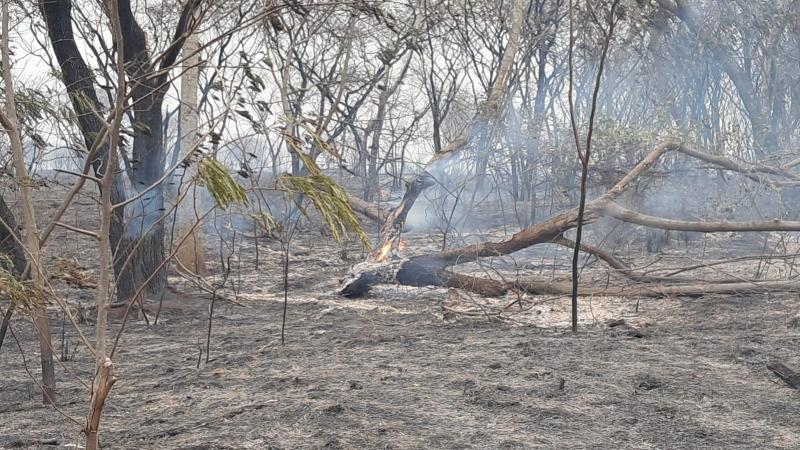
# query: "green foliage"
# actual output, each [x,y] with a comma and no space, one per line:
[328,198]
[219,183]
[620,144]
[330,201]
[20,293]
[268,223]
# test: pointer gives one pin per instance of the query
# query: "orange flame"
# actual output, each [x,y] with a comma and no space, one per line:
[386,251]
[383,254]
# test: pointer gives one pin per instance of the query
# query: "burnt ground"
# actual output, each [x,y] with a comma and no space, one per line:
[415,368]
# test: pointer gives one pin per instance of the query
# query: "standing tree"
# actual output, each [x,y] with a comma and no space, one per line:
[137,231]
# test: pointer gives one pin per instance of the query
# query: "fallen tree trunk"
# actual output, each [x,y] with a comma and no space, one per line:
[431,269]
[408,272]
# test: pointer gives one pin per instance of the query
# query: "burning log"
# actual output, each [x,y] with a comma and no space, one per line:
[384,265]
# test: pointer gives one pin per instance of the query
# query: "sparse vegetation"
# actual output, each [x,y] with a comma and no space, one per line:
[362,224]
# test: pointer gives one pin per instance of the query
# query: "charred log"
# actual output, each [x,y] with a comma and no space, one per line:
[364,276]
[407,272]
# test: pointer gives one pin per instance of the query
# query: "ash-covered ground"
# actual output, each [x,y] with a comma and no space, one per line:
[417,367]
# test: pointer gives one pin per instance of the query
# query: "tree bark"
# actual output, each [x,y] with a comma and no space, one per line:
[192,253]
[104,380]
[79,82]
[9,241]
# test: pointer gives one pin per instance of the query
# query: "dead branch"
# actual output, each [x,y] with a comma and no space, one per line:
[612,209]
[368,210]
[750,171]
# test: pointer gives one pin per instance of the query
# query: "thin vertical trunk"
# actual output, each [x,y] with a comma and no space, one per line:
[376,129]
[191,253]
[515,197]
[535,126]
[104,369]
[31,238]
[584,155]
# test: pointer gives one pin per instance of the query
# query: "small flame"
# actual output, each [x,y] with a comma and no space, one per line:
[388,249]
[383,254]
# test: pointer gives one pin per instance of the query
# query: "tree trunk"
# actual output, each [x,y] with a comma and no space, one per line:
[79,82]
[191,252]
[9,245]
[142,244]
[10,123]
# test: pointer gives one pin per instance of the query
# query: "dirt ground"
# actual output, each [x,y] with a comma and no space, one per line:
[414,367]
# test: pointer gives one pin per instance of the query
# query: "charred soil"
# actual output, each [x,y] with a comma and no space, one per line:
[413,367]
